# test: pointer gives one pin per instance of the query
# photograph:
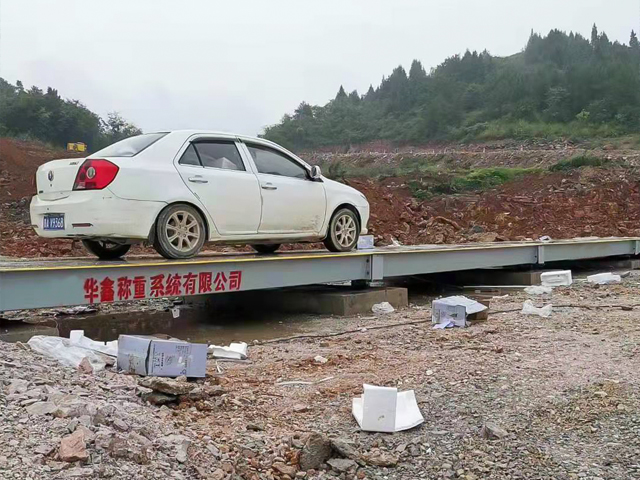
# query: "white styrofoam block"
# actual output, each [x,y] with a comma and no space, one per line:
[379,408]
[556,278]
[384,409]
[604,278]
[365,242]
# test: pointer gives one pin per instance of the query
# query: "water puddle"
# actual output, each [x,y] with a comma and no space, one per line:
[199,325]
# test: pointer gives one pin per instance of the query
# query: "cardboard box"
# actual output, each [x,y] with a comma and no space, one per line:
[145,355]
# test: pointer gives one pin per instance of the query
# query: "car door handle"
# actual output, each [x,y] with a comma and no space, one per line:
[269,186]
[198,180]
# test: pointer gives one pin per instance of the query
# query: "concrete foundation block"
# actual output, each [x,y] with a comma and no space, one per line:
[341,301]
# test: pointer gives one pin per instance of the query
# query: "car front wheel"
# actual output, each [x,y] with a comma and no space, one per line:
[343,233]
[180,232]
[106,250]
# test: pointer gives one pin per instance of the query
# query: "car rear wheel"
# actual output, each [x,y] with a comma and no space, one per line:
[343,233]
[180,232]
[106,250]
[266,248]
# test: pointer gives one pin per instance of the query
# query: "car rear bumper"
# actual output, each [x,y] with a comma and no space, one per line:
[96,214]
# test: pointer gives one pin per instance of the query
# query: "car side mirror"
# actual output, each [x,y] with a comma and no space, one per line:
[316,173]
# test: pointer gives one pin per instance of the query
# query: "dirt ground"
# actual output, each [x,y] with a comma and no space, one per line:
[561,393]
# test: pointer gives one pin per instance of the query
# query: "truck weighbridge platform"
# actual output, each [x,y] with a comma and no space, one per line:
[63,282]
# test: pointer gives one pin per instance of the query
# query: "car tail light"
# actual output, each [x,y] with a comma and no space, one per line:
[95,175]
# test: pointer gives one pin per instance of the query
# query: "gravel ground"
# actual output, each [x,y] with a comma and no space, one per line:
[558,398]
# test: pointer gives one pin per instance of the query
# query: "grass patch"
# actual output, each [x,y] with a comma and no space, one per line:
[424,179]
[525,130]
[481,179]
[577,162]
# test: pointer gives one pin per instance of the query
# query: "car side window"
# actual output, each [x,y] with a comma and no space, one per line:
[219,154]
[275,163]
[189,157]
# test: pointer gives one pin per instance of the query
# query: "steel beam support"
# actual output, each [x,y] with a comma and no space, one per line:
[55,288]
[40,284]
[540,254]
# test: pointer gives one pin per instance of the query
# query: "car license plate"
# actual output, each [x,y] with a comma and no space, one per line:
[53,221]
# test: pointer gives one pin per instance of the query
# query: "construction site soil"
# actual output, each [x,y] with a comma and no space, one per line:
[584,202]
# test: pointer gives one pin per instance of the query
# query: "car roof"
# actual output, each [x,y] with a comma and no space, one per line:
[189,132]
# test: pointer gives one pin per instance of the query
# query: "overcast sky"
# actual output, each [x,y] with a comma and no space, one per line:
[240,65]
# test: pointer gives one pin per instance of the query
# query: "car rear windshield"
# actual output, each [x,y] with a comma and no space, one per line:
[129,146]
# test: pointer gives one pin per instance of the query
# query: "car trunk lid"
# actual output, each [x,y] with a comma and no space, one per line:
[54,180]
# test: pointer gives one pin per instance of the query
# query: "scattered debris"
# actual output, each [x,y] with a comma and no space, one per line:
[73,447]
[382,308]
[108,348]
[384,409]
[235,351]
[454,310]
[285,469]
[145,355]
[167,385]
[345,449]
[365,242]
[316,451]
[66,353]
[42,408]
[381,459]
[529,309]
[320,359]
[556,279]
[162,390]
[342,465]
[85,366]
[303,382]
[491,431]
[604,278]
[538,290]
[79,310]
[158,398]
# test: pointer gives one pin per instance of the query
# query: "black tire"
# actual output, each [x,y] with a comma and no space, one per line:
[266,248]
[190,232]
[335,242]
[106,250]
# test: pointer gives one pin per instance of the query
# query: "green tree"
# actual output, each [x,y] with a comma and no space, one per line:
[633,42]
[559,78]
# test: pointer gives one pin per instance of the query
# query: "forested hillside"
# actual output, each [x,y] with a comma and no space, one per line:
[560,85]
[45,116]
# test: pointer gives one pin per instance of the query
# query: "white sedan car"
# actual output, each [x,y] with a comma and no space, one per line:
[179,189]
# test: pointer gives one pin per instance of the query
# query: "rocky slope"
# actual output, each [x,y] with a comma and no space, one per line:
[514,397]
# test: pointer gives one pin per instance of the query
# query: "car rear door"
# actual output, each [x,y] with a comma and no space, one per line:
[214,171]
[291,201]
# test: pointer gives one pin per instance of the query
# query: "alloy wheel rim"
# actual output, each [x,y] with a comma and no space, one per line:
[345,230]
[183,231]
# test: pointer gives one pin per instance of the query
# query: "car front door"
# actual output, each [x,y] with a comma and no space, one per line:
[291,201]
[215,172]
